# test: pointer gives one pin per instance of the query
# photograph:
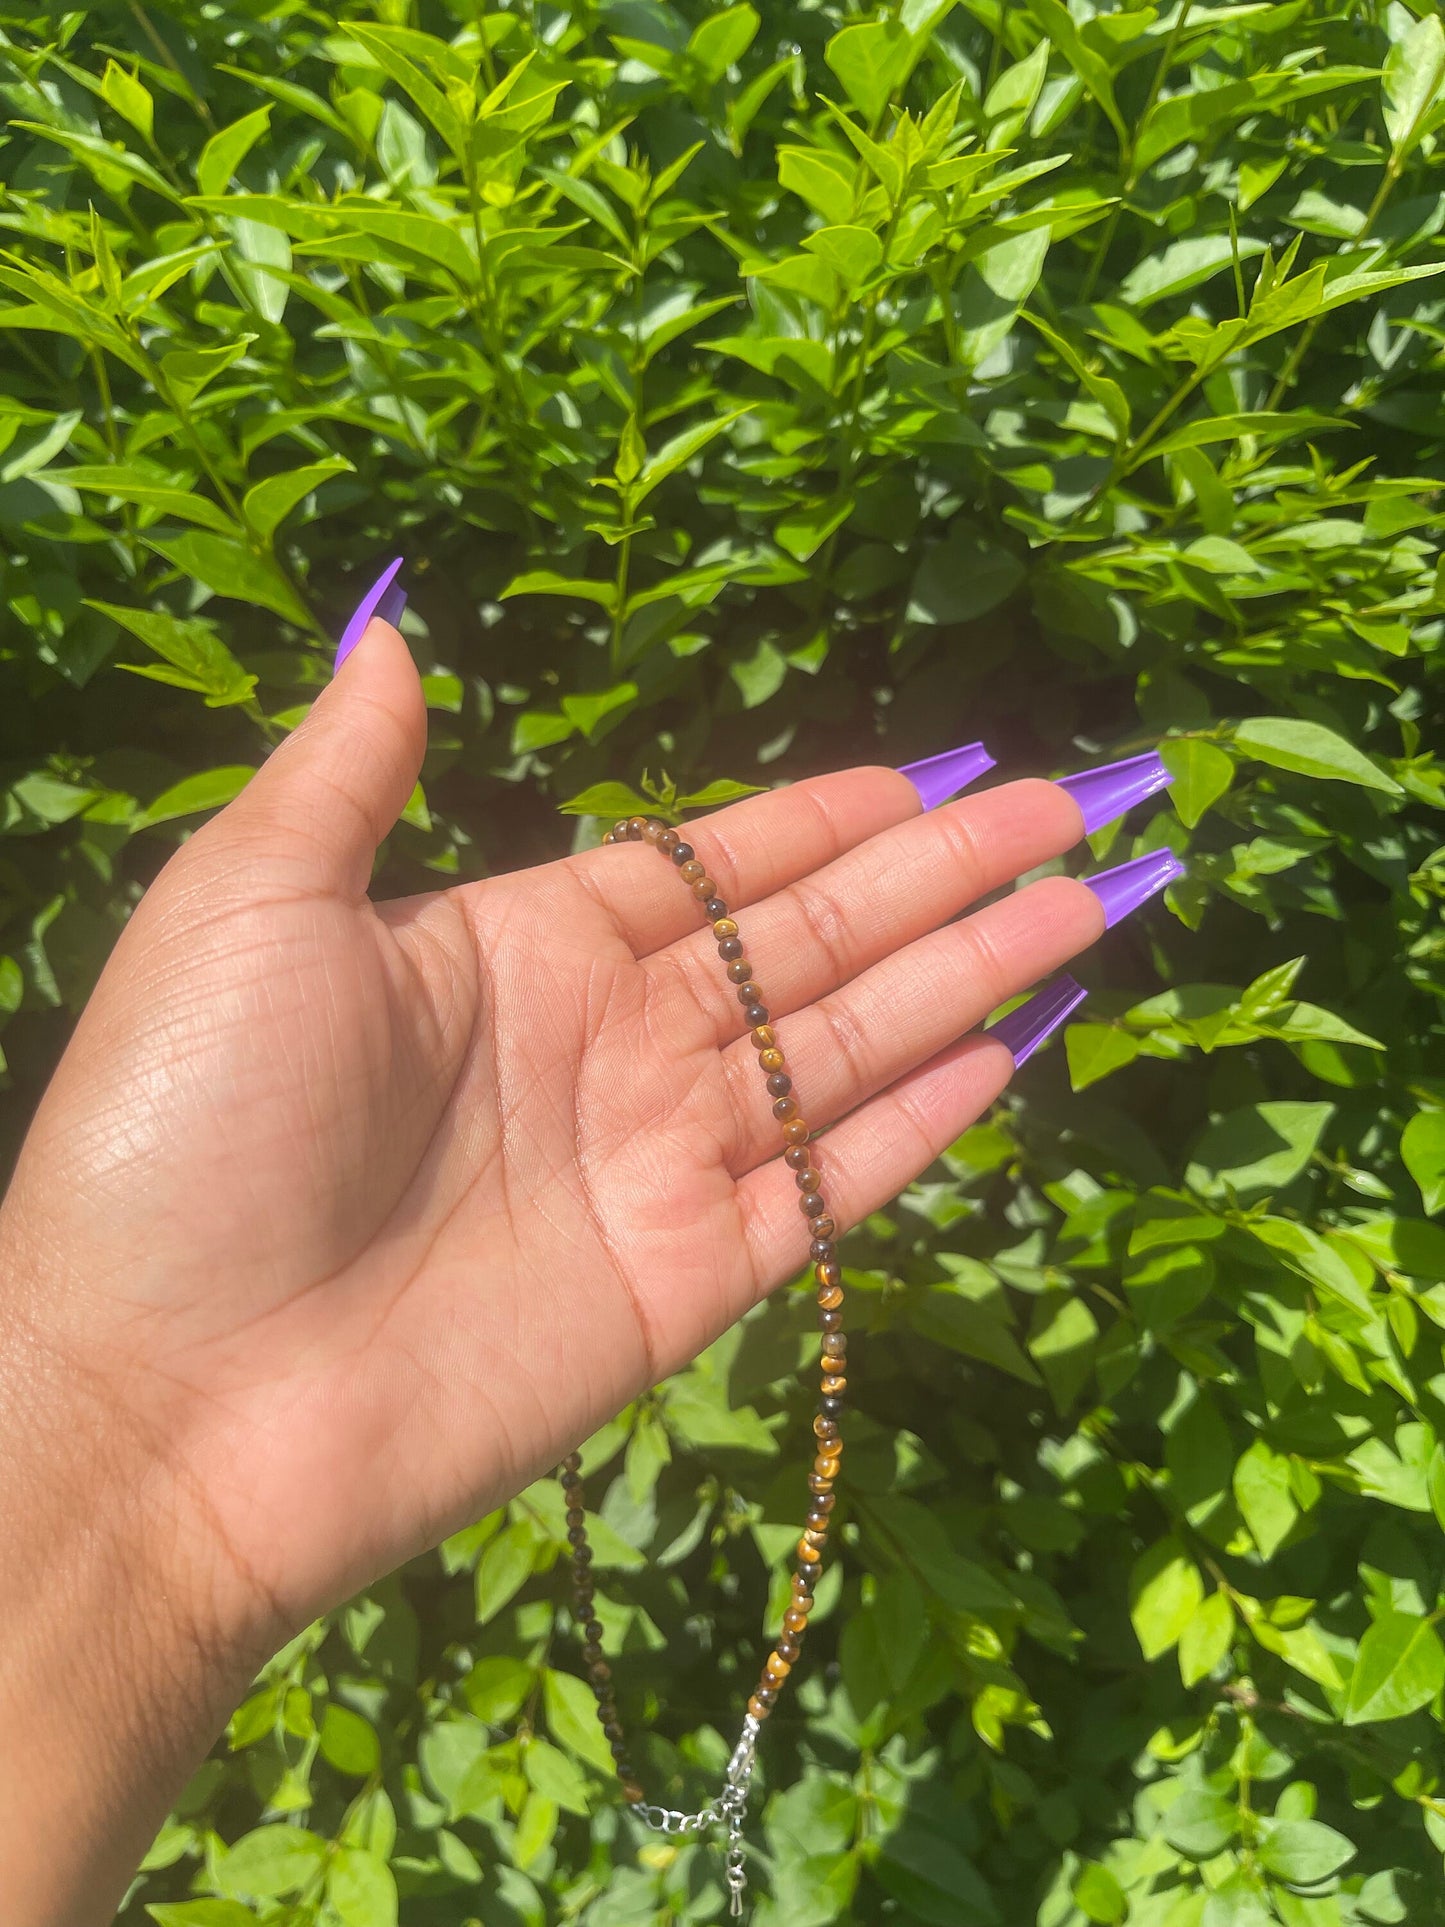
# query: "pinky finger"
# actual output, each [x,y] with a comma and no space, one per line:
[878,1149]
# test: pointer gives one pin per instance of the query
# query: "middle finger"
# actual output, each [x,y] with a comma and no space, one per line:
[805,940]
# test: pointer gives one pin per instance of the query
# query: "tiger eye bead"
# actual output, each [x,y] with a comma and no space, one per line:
[668,842]
[652,831]
[832,1384]
[797,1130]
[636,828]
[825,1427]
[796,1157]
[788,1649]
[806,1178]
[829,1320]
[748,992]
[704,889]
[823,1227]
[692,870]
[599,1672]
[683,853]
[608,837]
[715,910]
[730,949]
[828,1274]
[830,1407]
[762,1036]
[830,1296]
[619,831]
[816,1521]
[808,1555]
[811,1204]
[772,1059]
[738,970]
[785,1110]
[821,1250]
[824,1503]
[795,1621]
[755,1014]
[777,1665]
[723,926]
[779,1084]
[757,1709]
[815,1539]
[819,1481]
[632,1793]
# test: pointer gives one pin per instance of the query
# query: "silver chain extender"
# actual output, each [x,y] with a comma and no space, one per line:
[728,1810]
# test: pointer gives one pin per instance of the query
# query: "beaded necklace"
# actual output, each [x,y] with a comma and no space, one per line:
[729,1808]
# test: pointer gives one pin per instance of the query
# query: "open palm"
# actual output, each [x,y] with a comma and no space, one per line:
[355,1217]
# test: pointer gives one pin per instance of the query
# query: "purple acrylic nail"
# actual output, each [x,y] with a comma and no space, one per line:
[1125,888]
[937,778]
[1104,793]
[385,598]
[1023,1030]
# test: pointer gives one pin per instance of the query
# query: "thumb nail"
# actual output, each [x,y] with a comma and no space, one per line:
[384,598]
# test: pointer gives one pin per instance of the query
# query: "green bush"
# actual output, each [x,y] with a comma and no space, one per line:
[753,392]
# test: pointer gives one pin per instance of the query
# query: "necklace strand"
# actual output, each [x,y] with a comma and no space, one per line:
[730,1807]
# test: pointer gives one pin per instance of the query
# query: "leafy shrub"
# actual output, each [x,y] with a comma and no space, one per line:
[754,391]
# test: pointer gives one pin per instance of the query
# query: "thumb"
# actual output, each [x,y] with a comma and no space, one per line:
[316,810]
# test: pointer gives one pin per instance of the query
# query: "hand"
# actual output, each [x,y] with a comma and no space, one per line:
[341,1221]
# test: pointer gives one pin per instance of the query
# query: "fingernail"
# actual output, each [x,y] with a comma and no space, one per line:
[937,778]
[385,598]
[1125,888]
[1102,794]
[1023,1030]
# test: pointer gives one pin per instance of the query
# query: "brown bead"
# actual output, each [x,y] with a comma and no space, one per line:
[608,837]
[807,1179]
[756,1014]
[691,871]
[772,1060]
[757,1709]
[592,1632]
[779,1084]
[599,1673]
[833,1385]
[704,888]
[632,1793]
[777,1666]
[811,1204]
[748,991]
[591,1652]
[652,831]
[824,1503]
[785,1109]
[763,1038]
[824,1227]
[795,1621]
[730,949]
[684,853]
[612,1732]
[636,828]
[821,1250]
[619,831]
[808,1554]
[830,1297]
[796,1158]
[724,927]
[830,1405]
[820,1481]
[788,1649]
[816,1537]
[768,1691]
[835,1344]
[828,1274]
[571,1466]
[797,1131]
[715,910]
[816,1521]
[668,842]
[738,970]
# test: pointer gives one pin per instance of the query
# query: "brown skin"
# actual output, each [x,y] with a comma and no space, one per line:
[342,1221]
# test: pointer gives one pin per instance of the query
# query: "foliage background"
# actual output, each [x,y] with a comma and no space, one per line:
[752,392]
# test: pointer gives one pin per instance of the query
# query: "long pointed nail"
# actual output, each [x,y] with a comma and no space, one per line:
[385,598]
[1102,794]
[937,778]
[1125,888]
[1023,1030]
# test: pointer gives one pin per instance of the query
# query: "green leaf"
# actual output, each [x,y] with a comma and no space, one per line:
[1206,1638]
[230,569]
[503,1569]
[822,179]
[200,1913]
[572,1718]
[223,153]
[962,578]
[1414,87]
[612,800]
[721,39]
[1264,1490]
[360,1886]
[853,253]
[1303,1852]
[147,490]
[1422,1147]
[268,503]
[1201,775]
[1200,1823]
[349,1741]
[270,1862]
[128,97]
[1288,742]
[872,61]
[211,789]
[1094,1050]
[1258,1150]
[1400,1668]
[1165,1591]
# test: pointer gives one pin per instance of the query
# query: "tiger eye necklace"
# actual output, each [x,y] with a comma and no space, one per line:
[729,1808]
